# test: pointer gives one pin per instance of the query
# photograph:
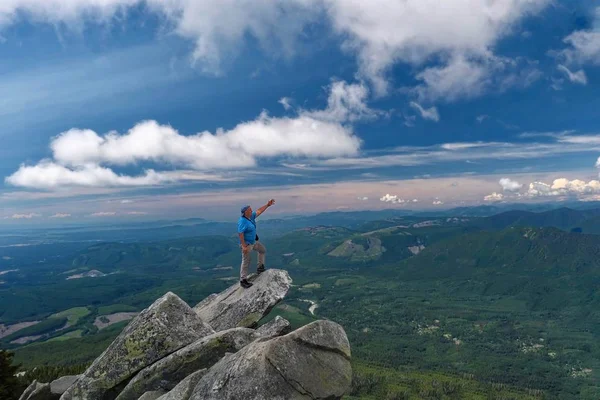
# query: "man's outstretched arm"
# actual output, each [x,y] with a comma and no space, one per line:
[264,208]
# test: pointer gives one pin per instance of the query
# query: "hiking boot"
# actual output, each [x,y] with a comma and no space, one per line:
[245,284]
[261,268]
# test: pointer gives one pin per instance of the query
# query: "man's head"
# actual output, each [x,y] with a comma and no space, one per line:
[247,211]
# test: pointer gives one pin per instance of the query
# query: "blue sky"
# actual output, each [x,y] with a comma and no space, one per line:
[115,109]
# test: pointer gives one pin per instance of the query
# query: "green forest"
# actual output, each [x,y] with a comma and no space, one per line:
[500,307]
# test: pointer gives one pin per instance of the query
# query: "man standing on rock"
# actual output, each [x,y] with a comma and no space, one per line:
[249,241]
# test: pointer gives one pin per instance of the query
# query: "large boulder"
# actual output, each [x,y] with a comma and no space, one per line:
[276,327]
[166,326]
[239,307]
[60,385]
[38,391]
[48,391]
[153,395]
[312,362]
[184,389]
[166,373]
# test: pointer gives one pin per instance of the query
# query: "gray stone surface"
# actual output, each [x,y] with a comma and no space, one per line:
[276,327]
[60,385]
[166,373]
[155,394]
[312,362]
[239,307]
[166,326]
[38,391]
[184,389]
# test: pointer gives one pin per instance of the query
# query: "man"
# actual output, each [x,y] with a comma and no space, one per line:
[249,241]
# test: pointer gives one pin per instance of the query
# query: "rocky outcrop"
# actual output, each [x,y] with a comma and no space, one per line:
[239,307]
[38,391]
[166,326]
[310,363]
[166,373]
[48,391]
[171,352]
[184,389]
[155,394]
[60,385]
[276,327]
[169,371]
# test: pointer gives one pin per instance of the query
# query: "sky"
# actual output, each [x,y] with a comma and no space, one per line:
[151,109]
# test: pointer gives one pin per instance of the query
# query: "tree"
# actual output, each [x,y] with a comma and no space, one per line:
[10,387]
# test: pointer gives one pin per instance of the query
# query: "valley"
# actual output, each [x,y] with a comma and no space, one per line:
[446,307]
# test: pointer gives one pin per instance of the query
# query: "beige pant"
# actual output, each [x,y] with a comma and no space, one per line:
[260,249]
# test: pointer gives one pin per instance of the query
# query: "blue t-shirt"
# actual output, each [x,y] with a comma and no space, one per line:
[248,228]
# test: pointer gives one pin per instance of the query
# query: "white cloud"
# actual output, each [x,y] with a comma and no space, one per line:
[426,113]
[388,198]
[286,102]
[103,214]
[509,185]
[362,198]
[346,103]
[81,157]
[24,216]
[564,187]
[383,32]
[380,32]
[481,118]
[437,203]
[137,213]
[60,215]
[576,77]
[584,48]
[494,197]
[126,201]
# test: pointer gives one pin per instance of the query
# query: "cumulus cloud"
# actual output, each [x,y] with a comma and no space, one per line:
[362,198]
[426,113]
[494,197]
[388,198]
[346,103]
[82,157]
[509,185]
[103,214]
[575,77]
[563,187]
[60,215]
[24,216]
[438,203]
[380,33]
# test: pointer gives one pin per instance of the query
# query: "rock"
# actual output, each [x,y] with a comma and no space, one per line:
[238,307]
[152,395]
[276,327]
[312,362]
[60,385]
[38,391]
[166,373]
[166,326]
[184,389]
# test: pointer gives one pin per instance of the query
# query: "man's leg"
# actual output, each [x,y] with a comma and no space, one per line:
[262,251]
[245,263]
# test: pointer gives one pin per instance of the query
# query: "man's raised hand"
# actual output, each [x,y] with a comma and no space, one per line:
[271,202]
